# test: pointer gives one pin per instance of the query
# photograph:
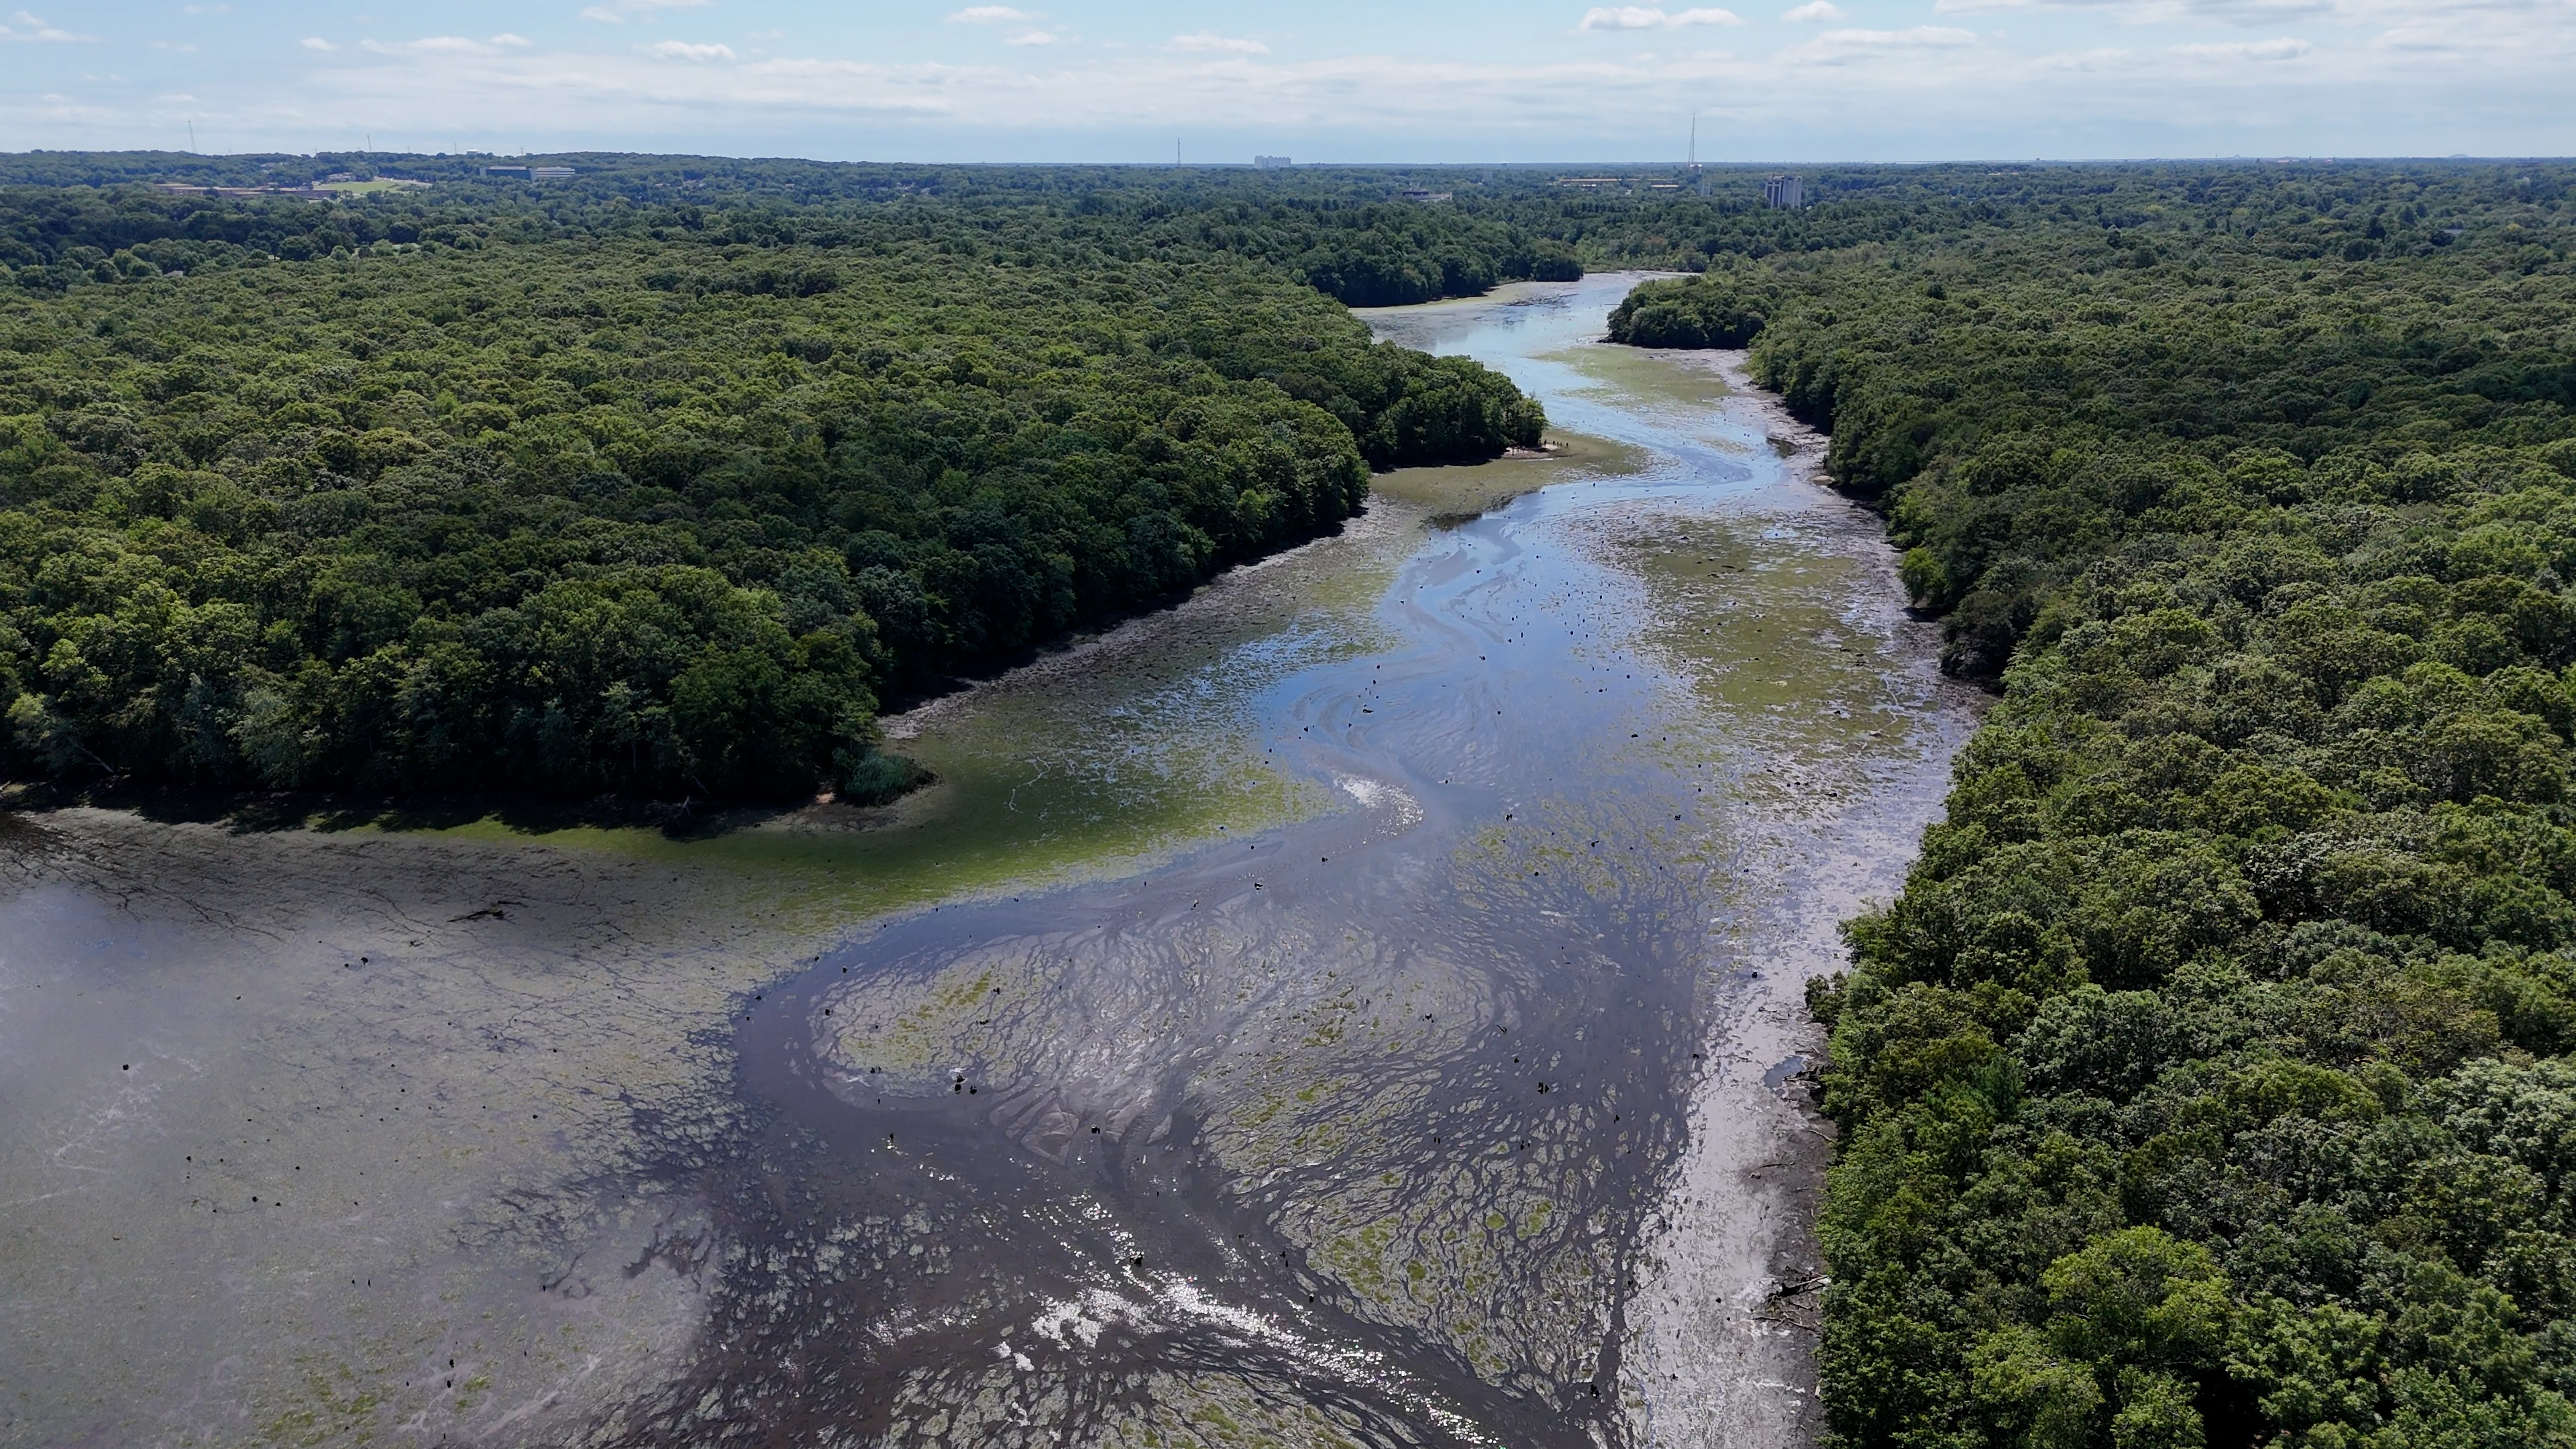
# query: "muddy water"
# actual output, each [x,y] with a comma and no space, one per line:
[1359,1005]
[1457,1114]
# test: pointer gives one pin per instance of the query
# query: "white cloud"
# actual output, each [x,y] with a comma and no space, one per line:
[2216,12]
[1623,17]
[1916,35]
[683,50]
[1813,10]
[1919,37]
[992,15]
[506,38]
[1029,37]
[2372,80]
[2285,48]
[315,42]
[615,14]
[2444,35]
[35,29]
[2102,58]
[1210,41]
[2256,12]
[1640,17]
[429,45]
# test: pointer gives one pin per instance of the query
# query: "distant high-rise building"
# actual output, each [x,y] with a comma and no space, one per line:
[1784,191]
[1269,163]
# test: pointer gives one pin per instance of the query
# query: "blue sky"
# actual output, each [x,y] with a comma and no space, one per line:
[1344,80]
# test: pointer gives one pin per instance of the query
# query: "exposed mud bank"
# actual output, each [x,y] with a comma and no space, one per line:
[1728,1309]
[309,1137]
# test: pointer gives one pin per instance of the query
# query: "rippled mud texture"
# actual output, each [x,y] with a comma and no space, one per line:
[1356,1006]
[1464,1114]
[310,1139]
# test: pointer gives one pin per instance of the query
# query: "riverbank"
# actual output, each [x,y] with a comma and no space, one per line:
[1724,1335]
[1338,1007]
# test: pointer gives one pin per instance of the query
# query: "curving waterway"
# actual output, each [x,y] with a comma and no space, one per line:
[1359,1006]
[1376,1126]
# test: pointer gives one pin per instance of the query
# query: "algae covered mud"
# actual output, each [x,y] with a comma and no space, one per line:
[1358,1006]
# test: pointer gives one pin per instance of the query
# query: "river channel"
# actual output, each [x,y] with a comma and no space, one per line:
[1360,1005]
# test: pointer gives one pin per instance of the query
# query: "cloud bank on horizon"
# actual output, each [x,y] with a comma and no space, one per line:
[1504,80]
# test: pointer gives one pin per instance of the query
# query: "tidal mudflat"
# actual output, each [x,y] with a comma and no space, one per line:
[1358,1005]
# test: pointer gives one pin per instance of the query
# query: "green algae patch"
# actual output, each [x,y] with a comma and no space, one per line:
[980,829]
[1754,613]
[1466,490]
[1648,381]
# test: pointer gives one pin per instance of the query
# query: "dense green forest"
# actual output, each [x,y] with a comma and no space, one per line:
[2210,1081]
[572,493]
[654,479]
[1349,235]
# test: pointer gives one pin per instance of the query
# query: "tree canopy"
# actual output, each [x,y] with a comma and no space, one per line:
[576,494]
[2203,1085]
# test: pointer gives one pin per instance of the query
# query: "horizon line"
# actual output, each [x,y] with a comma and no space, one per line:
[1682,164]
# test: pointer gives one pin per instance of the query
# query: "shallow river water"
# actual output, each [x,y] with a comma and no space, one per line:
[1359,1006]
